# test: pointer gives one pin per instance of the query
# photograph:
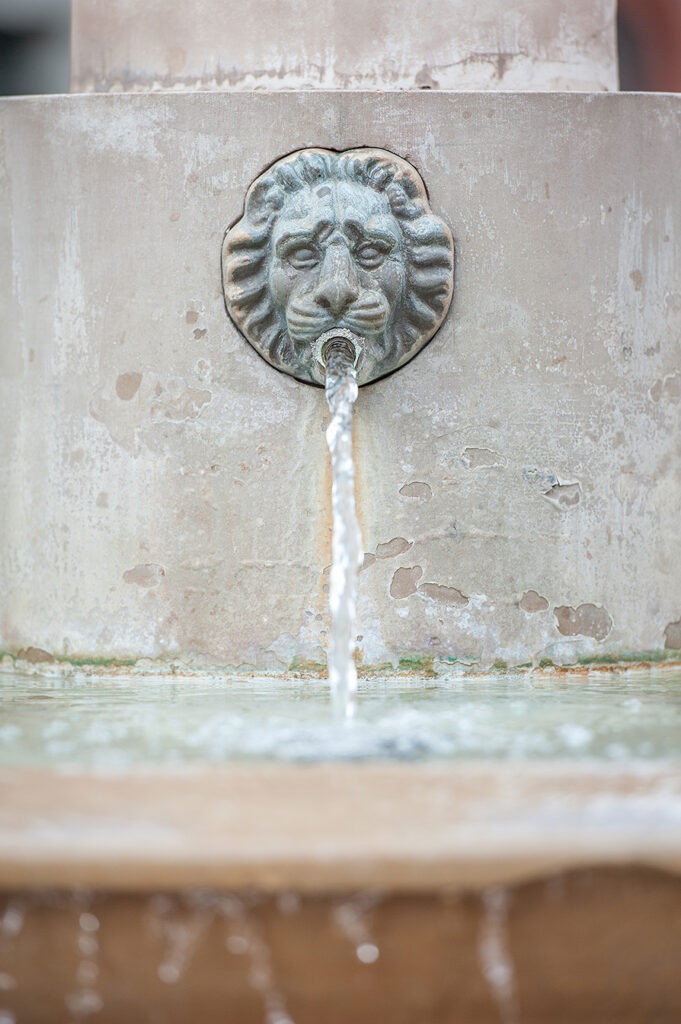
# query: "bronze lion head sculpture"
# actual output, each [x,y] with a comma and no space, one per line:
[338,240]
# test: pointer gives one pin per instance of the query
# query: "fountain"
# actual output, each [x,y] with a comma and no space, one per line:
[184,830]
[330,243]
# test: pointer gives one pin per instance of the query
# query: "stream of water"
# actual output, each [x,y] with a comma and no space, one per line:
[341,393]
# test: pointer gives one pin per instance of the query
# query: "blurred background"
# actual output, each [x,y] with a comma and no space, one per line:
[34,45]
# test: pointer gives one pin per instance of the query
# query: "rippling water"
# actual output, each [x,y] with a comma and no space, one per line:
[111,723]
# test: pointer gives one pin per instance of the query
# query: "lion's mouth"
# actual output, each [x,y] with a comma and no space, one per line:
[367,317]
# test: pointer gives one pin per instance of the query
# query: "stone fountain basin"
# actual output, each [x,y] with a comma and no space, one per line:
[547,892]
[487,890]
[519,494]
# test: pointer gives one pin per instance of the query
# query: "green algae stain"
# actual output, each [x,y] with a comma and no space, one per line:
[418,666]
[659,657]
[306,667]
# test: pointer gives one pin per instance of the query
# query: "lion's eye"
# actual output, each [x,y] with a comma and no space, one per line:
[302,257]
[372,254]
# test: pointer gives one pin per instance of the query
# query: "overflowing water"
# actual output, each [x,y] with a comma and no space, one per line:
[119,723]
[494,953]
[341,393]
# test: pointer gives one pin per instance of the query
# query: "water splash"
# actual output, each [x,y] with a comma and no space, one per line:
[341,393]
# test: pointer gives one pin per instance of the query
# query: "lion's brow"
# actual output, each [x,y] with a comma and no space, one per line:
[365,229]
[312,233]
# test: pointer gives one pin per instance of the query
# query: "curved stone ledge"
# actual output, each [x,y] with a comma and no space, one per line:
[282,827]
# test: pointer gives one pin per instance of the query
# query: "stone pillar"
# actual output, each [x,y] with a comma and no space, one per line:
[510,45]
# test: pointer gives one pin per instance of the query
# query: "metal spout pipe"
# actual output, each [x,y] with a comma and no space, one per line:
[338,343]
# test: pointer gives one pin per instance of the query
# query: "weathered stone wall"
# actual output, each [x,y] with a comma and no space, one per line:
[122,45]
[165,492]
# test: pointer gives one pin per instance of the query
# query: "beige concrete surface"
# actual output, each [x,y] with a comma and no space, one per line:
[122,45]
[327,828]
[165,493]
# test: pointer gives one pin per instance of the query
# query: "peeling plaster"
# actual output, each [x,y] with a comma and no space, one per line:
[417,489]
[404,581]
[585,620]
[393,548]
[672,636]
[443,594]
[532,602]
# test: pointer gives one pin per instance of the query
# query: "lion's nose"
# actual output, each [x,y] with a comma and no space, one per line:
[337,287]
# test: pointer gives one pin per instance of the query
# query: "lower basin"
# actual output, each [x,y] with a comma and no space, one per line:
[503,850]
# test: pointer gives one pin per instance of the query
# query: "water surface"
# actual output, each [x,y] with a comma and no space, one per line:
[117,723]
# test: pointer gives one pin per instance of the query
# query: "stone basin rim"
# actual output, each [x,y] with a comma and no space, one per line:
[274,828]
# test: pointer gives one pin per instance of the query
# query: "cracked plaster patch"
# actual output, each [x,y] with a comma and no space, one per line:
[405,581]
[585,620]
[563,496]
[393,548]
[148,575]
[443,594]
[672,636]
[481,458]
[417,489]
[533,602]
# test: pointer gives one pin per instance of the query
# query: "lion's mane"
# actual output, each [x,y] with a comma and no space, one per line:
[428,249]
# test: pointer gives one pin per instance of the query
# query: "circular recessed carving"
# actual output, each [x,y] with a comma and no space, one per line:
[338,240]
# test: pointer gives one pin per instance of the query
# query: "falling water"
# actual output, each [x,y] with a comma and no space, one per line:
[495,957]
[341,392]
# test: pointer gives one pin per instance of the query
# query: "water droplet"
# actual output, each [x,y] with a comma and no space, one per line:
[87,973]
[169,973]
[84,1002]
[88,922]
[237,944]
[288,903]
[88,945]
[367,953]
[12,920]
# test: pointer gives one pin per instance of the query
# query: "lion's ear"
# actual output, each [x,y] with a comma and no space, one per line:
[264,200]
